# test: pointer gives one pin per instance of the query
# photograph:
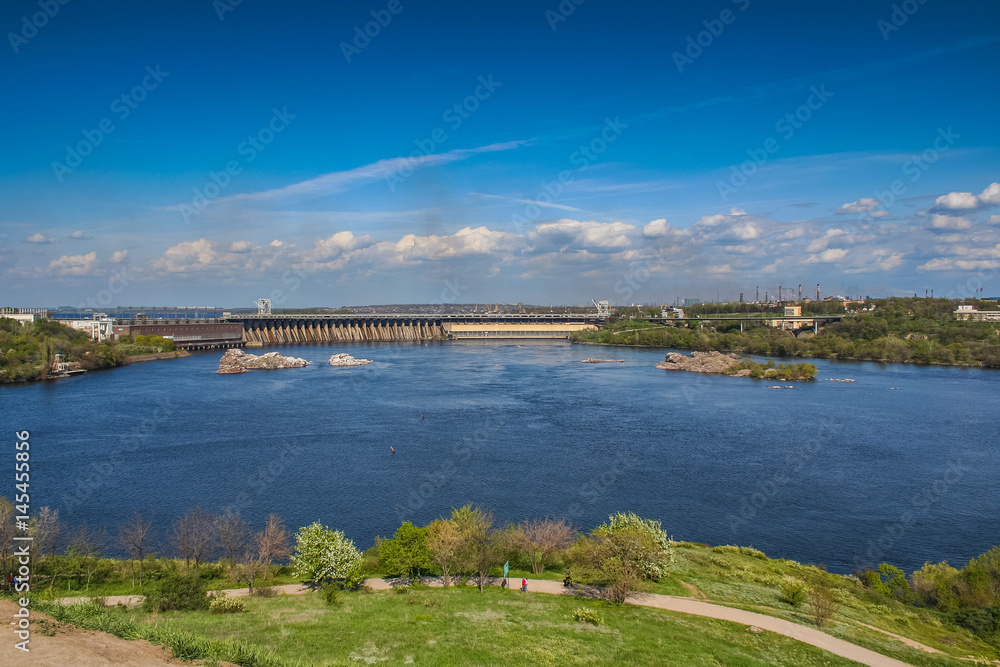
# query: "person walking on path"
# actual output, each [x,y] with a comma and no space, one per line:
[524,585]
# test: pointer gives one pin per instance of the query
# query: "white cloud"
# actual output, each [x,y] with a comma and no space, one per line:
[79,235]
[863,205]
[991,195]
[573,235]
[74,265]
[939,264]
[975,265]
[730,228]
[827,256]
[118,257]
[187,256]
[660,228]
[40,238]
[241,247]
[339,243]
[956,201]
[947,222]
[966,201]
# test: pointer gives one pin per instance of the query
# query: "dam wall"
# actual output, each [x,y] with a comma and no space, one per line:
[339,331]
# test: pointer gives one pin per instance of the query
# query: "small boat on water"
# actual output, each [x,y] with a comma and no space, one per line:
[602,361]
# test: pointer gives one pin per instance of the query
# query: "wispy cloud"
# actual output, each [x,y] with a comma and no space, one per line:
[543,204]
[338,181]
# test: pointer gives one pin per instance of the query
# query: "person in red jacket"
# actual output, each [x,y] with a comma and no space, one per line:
[524,585]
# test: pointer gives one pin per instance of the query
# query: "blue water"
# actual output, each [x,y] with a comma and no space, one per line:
[844,474]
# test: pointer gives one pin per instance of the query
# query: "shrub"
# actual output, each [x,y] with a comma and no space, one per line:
[824,605]
[330,594]
[585,615]
[265,592]
[753,553]
[174,592]
[224,604]
[793,591]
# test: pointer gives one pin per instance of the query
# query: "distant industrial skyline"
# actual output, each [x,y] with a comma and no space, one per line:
[191,153]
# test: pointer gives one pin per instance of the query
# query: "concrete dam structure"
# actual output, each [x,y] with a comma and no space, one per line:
[323,332]
[276,329]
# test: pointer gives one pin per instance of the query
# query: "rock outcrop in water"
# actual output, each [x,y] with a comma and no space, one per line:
[238,361]
[700,362]
[348,360]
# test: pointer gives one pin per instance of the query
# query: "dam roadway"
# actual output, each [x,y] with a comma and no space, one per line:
[272,329]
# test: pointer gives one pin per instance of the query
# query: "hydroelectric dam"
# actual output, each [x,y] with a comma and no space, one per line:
[275,329]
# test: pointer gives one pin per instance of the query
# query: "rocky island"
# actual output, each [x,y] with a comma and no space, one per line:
[347,360]
[238,361]
[699,362]
[718,363]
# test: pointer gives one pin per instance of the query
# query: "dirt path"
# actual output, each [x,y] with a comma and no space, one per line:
[682,605]
[56,644]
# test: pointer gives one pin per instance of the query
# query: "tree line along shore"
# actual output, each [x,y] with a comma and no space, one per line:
[624,555]
[28,351]
[893,330]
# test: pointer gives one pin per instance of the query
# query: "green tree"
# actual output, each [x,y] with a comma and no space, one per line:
[406,553]
[444,544]
[481,547]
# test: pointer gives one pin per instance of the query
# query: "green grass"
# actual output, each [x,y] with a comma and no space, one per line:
[68,588]
[465,627]
[750,582]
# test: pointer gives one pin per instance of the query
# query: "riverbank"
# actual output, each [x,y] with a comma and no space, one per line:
[947,349]
[140,358]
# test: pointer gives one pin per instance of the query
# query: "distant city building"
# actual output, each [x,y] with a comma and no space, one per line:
[99,328]
[21,318]
[691,302]
[967,312]
[25,315]
[793,311]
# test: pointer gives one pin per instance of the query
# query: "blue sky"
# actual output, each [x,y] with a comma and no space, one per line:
[210,153]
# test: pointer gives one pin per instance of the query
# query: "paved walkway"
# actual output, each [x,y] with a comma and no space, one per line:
[682,605]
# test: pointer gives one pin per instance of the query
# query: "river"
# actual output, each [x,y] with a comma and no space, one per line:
[901,465]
